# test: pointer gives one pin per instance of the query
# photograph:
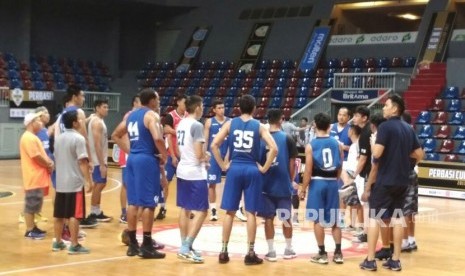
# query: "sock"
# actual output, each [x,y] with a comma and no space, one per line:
[147,239]
[132,236]
[270,245]
[162,205]
[251,246]
[288,243]
[224,246]
[95,209]
[338,248]
[123,211]
[322,249]
[162,199]
[213,205]
[411,240]
[404,242]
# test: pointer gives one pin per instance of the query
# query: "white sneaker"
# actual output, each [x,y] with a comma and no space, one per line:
[271,256]
[240,216]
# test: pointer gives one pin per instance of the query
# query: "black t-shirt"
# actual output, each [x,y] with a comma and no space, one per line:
[365,149]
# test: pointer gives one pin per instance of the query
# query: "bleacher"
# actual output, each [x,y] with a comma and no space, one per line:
[441,128]
[274,83]
[51,73]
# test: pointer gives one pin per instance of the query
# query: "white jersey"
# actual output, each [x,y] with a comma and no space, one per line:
[352,158]
[188,132]
[103,142]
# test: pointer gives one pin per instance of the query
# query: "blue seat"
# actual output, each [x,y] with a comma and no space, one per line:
[457,118]
[278,92]
[308,73]
[383,62]
[283,73]
[454,105]
[300,102]
[432,156]
[424,117]
[357,63]
[15,83]
[215,82]
[426,131]
[207,101]
[384,69]
[13,74]
[302,92]
[228,102]
[429,145]
[61,85]
[232,91]
[409,61]
[459,133]
[333,63]
[264,64]
[276,102]
[451,92]
[256,91]
[39,85]
[461,147]
[211,91]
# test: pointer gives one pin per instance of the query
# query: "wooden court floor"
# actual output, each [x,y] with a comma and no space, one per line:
[440,238]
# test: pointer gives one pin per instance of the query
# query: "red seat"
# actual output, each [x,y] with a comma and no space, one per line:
[260,113]
[289,102]
[440,118]
[438,105]
[263,102]
[235,112]
[452,158]
[290,91]
[447,146]
[462,94]
[266,91]
[287,112]
[443,132]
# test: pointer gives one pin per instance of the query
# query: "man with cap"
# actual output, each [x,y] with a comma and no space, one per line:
[36,168]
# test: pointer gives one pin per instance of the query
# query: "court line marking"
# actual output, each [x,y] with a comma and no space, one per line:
[61,265]
[118,184]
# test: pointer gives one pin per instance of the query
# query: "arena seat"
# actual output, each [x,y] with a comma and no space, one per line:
[452,158]
[451,92]
[429,145]
[438,105]
[454,105]
[443,132]
[461,147]
[446,146]
[426,131]
[459,133]
[432,156]
[457,118]
[440,118]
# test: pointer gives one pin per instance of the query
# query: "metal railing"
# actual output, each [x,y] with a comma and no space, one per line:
[92,96]
[4,96]
[377,105]
[396,81]
[321,103]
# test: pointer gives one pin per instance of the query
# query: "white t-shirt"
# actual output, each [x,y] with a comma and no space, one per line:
[188,132]
[352,158]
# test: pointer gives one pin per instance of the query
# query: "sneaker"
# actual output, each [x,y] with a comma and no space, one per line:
[357,231]
[392,265]
[406,248]
[271,256]
[77,249]
[346,190]
[289,254]
[148,252]
[337,258]
[213,215]
[102,217]
[38,230]
[360,238]
[240,215]
[383,254]
[368,265]
[320,258]
[157,245]
[223,258]
[123,219]
[58,246]
[190,257]
[161,214]
[349,228]
[89,222]
[133,249]
[252,259]
[82,234]
[34,235]
[39,218]
[196,252]
[341,224]
[413,246]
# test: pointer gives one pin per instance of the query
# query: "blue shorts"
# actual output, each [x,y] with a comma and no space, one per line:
[323,202]
[387,201]
[271,206]
[192,194]
[54,179]
[124,173]
[96,177]
[143,181]
[170,169]
[242,178]
[214,172]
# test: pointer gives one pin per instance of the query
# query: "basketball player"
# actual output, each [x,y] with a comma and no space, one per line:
[191,178]
[277,191]
[171,121]
[147,150]
[212,127]
[323,163]
[244,174]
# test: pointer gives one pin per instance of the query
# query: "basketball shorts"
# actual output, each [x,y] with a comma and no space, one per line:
[192,194]
[411,198]
[323,202]
[272,206]
[143,184]
[97,177]
[70,205]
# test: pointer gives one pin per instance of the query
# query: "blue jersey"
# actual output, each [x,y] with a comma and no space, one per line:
[61,125]
[244,141]
[277,180]
[326,157]
[139,136]
[43,136]
[215,127]
[342,136]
